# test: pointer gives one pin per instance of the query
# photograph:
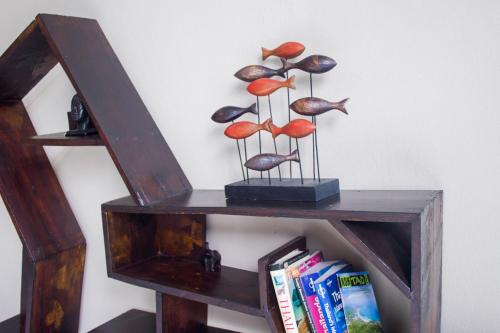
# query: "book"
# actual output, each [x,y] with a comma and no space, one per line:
[298,268]
[360,306]
[311,299]
[278,277]
[327,289]
[298,308]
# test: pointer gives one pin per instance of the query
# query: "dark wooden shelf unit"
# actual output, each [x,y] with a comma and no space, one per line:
[59,139]
[157,247]
[54,246]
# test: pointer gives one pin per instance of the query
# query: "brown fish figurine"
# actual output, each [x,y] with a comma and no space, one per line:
[315,64]
[264,162]
[254,72]
[286,50]
[244,129]
[313,106]
[230,113]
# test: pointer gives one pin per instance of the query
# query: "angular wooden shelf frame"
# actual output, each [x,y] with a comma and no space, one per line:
[60,139]
[157,247]
[54,246]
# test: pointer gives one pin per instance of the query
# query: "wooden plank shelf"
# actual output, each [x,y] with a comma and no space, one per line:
[232,288]
[374,206]
[134,321]
[60,139]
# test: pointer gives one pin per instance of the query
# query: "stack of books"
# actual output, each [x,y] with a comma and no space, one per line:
[318,296]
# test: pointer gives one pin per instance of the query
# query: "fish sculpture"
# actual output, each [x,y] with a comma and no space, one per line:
[313,106]
[264,162]
[297,128]
[255,72]
[230,113]
[244,129]
[315,64]
[265,86]
[287,50]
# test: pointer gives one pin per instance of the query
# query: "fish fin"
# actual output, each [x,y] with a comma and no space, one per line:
[341,105]
[285,65]
[268,125]
[295,156]
[290,83]
[266,53]
[253,108]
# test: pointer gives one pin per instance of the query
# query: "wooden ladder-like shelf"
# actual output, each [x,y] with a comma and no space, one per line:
[155,237]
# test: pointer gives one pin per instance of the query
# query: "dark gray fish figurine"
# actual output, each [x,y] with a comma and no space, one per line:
[264,162]
[316,64]
[230,113]
[313,106]
[254,72]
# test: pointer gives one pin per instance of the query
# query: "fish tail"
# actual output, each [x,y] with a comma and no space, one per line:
[266,53]
[290,83]
[285,65]
[341,105]
[253,108]
[294,156]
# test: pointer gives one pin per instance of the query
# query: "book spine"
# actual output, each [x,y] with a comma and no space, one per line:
[327,306]
[284,300]
[338,306]
[302,295]
[312,302]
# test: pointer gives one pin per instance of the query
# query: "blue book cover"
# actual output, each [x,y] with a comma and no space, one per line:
[360,306]
[327,289]
[307,282]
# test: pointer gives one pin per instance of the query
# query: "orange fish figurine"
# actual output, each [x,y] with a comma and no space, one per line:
[265,87]
[297,128]
[244,129]
[287,50]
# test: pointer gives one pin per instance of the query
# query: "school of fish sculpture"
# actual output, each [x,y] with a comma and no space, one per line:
[315,64]
[265,86]
[313,106]
[230,113]
[244,129]
[297,128]
[286,50]
[264,162]
[255,72]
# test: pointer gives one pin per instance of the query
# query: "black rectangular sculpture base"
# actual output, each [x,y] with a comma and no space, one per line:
[257,189]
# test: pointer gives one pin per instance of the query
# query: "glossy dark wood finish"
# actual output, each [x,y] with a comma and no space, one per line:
[54,246]
[136,321]
[385,226]
[268,302]
[255,72]
[314,64]
[230,113]
[25,63]
[175,314]
[353,205]
[59,139]
[143,158]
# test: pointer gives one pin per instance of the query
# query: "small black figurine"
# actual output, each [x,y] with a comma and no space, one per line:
[211,259]
[80,123]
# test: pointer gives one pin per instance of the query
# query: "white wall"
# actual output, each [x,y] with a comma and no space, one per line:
[423,77]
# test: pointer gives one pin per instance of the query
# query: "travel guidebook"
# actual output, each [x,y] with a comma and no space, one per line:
[280,283]
[360,306]
[328,291]
[316,296]
[294,270]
